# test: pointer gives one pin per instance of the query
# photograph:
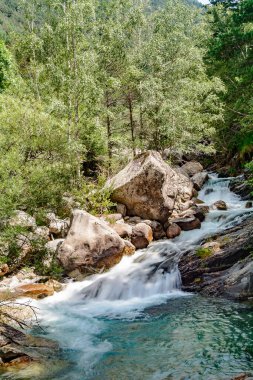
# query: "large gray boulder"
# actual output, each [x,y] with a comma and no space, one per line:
[149,188]
[91,244]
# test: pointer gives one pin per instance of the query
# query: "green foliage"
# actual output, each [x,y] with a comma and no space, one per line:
[37,164]
[6,67]
[230,57]
[204,253]
[94,197]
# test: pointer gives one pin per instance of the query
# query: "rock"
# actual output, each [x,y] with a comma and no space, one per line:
[121,209]
[220,205]
[42,232]
[199,179]
[90,244]
[142,235]
[129,248]
[4,269]
[157,229]
[191,168]
[173,231]
[174,156]
[22,219]
[133,220]
[228,270]
[187,224]
[200,213]
[123,230]
[53,245]
[150,188]
[240,186]
[112,218]
[56,285]
[18,348]
[35,290]
[249,204]
[214,246]
[209,191]
[59,228]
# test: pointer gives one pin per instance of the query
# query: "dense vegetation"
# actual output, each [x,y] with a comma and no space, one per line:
[230,57]
[90,84]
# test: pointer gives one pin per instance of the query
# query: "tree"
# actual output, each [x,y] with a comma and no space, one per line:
[230,57]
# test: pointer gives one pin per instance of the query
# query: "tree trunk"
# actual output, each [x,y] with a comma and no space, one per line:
[131,120]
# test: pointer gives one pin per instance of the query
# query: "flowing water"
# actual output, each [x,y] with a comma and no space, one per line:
[134,322]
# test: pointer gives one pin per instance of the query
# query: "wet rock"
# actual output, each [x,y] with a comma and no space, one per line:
[35,290]
[22,219]
[90,244]
[191,168]
[189,223]
[18,348]
[150,188]
[199,179]
[209,191]
[228,270]
[220,205]
[141,236]
[240,186]
[249,204]
[213,246]
[173,231]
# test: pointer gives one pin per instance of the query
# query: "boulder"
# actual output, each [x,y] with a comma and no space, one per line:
[18,348]
[173,231]
[220,205]
[121,209]
[157,229]
[149,188]
[124,230]
[22,219]
[53,245]
[141,236]
[112,218]
[191,168]
[90,244]
[188,224]
[199,179]
[35,290]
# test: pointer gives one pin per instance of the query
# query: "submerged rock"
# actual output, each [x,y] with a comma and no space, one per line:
[90,244]
[149,188]
[220,205]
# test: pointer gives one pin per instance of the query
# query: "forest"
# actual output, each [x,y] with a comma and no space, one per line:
[87,87]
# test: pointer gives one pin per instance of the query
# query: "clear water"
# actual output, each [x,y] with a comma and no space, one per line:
[134,322]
